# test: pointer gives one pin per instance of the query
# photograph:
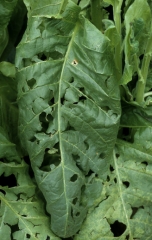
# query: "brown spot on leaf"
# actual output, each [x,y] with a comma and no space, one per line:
[74,62]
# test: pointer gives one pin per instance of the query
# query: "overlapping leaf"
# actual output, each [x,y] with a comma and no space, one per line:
[22,214]
[8,105]
[6,9]
[69,112]
[137,24]
[125,211]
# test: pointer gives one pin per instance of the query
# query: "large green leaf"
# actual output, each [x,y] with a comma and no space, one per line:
[125,211]
[68,112]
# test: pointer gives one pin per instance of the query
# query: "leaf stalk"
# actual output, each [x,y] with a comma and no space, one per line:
[117,20]
[96,14]
[140,88]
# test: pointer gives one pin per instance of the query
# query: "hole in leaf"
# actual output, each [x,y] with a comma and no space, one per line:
[14,228]
[1,190]
[28,235]
[135,210]
[118,228]
[49,117]
[43,57]
[108,178]
[127,237]
[33,139]
[62,101]
[44,121]
[23,89]
[31,82]
[146,163]
[71,212]
[75,157]
[48,238]
[71,80]
[70,128]
[77,214]
[117,155]
[42,117]
[111,168]
[82,90]
[52,101]
[115,180]
[82,98]
[87,145]
[57,146]
[9,181]
[89,173]
[102,155]
[51,159]
[126,183]
[75,201]
[74,178]
[106,108]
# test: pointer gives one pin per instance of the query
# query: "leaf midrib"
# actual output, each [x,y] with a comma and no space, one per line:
[59,118]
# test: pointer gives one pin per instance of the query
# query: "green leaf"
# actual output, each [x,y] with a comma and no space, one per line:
[6,10]
[16,26]
[112,2]
[7,69]
[137,23]
[68,100]
[8,106]
[111,32]
[126,197]
[22,214]
[135,116]
[46,8]
[84,3]
[7,148]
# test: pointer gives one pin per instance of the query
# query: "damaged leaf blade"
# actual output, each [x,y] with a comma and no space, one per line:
[68,106]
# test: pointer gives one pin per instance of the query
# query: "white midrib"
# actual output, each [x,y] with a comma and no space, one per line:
[120,191]
[59,120]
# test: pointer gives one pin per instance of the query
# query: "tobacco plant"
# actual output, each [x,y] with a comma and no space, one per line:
[76,119]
